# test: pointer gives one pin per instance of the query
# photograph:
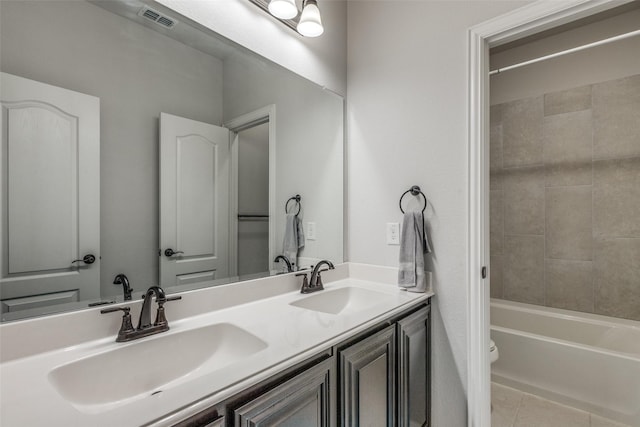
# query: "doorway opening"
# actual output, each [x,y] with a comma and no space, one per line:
[526,25]
[253,200]
[252,209]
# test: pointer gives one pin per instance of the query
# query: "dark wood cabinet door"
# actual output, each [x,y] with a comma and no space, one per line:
[302,401]
[367,381]
[217,423]
[413,369]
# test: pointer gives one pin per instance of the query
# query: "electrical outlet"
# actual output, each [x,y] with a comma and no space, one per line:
[393,233]
[311,230]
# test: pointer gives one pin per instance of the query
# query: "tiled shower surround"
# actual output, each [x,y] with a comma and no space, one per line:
[565,199]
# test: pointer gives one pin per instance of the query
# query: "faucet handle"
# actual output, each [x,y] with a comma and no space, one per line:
[305,280]
[127,326]
[126,310]
[161,319]
[319,283]
[305,283]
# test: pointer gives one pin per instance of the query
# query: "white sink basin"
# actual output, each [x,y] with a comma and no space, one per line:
[342,300]
[145,366]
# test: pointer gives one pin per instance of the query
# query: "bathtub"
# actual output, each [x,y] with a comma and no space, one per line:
[586,361]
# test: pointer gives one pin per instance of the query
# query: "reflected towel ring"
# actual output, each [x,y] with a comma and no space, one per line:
[414,190]
[296,199]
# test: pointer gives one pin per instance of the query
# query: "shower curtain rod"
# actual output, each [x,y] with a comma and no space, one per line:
[564,52]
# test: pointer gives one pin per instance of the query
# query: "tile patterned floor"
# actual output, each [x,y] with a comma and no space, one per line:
[513,408]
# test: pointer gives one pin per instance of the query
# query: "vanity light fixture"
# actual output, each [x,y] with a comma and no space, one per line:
[307,21]
[310,24]
[283,9]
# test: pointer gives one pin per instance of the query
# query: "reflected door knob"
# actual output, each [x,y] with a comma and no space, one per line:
[170,252]
[87,259]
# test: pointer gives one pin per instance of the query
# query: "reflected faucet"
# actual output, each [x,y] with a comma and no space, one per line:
[121,279]
[286,261]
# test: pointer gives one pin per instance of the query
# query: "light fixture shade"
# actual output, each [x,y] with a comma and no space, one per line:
[283,9]
[310,24]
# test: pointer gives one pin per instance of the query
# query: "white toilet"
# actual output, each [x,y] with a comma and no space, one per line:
[493,356]
[493,351]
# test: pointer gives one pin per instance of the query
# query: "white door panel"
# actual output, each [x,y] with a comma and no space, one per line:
[42,146]
[50,179]
[194,199]
[196,195]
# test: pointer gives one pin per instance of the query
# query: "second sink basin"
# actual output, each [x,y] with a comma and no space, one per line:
[144,366]
[342,300]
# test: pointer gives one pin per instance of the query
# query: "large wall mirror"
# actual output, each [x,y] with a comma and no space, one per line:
[137,143]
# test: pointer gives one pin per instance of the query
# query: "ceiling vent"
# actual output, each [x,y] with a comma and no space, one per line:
[157,17]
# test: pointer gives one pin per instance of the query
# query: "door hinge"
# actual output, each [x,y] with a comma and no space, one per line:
[484,271]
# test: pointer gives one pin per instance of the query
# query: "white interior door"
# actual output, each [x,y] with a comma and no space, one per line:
[50,180]
[194,201]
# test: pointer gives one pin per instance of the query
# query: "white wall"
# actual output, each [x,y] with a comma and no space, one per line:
[603,63]
[407,124]
[321,59]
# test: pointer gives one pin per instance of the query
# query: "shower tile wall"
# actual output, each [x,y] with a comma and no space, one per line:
[565,199]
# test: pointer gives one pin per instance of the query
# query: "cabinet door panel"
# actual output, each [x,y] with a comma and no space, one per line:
[413,370]
[367,381]
[303,401]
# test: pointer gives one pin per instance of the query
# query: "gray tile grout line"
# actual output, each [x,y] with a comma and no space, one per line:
[569,186]
[593,231]
[608,159]
[515,415]
[569,260]
[531,166]
[504,205]
[544,203]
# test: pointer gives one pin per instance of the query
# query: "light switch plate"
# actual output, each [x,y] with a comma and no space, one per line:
[311,230]
[393,233]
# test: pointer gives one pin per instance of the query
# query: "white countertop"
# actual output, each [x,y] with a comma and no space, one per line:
[291,334]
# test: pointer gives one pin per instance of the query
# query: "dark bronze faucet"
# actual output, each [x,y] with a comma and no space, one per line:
[145,327]
[315,283]
[121,279]
[286,261]
[144,321]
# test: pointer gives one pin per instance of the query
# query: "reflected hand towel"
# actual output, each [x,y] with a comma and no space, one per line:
[293,238]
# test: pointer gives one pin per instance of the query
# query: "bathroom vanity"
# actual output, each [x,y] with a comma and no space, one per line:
[356,353]
[379,377]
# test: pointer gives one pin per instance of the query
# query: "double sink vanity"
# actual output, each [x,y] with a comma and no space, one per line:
[257,352]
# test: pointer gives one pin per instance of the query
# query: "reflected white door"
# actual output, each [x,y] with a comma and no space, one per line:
[194,201]
[50,180]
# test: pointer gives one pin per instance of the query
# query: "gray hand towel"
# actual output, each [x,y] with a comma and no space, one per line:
[293,238]
[413,245]
[300,233]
